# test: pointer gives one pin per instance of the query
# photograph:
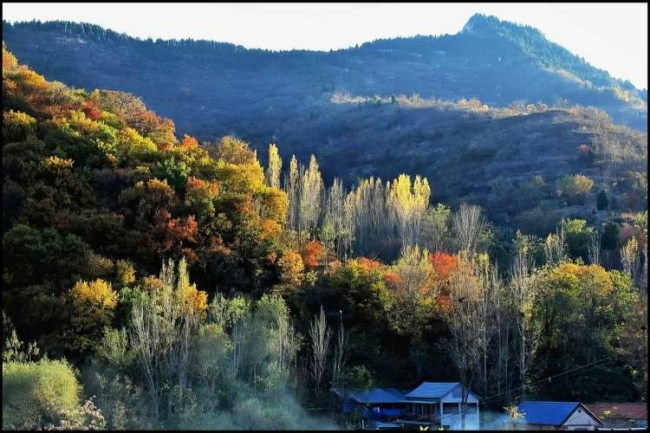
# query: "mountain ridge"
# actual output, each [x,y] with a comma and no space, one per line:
[446,67]
[478,25]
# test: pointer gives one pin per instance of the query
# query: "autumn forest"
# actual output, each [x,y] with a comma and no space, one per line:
[153,280]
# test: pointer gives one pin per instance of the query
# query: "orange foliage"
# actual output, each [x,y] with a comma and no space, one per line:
[369,265]
[312,254]
[392,279]
[158,129]
[189,142]
[187,229]
[190,255]
[146,121]
[194,183]
[193,299]
[91,111]
[270,229]
[175,230]
[444,302]
[211,188]
[334,265]
[291,268]
[443,265]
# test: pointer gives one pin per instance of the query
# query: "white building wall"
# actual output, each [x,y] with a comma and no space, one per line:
[455,422]
[580,418]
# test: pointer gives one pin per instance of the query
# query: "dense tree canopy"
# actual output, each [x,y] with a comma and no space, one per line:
[195,289]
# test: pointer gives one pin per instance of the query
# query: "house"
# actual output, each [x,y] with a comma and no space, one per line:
[442,402]
[621,415]
[433,404]
[550,415]
[374,403]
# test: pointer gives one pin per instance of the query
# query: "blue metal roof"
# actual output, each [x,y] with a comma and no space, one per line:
[432,390]
[546,412]
[373,395]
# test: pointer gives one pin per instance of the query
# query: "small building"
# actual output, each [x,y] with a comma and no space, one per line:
[432,404]
[621,415]
[442,403]
[373,403]
[550,415]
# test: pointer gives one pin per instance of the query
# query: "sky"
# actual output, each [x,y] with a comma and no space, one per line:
[610,36]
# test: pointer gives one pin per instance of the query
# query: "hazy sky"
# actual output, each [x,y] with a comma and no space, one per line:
[611,36]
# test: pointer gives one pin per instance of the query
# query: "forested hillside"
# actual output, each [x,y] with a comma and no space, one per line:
[512,161]
[154,281]
[495,115]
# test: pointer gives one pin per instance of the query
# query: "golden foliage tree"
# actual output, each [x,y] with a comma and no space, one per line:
[274,168]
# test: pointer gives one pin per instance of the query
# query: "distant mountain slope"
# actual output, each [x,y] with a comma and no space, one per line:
[217,88]
[509,160]
[469,153]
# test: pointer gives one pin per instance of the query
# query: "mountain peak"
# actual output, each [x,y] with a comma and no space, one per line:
[479,21]
[489,25]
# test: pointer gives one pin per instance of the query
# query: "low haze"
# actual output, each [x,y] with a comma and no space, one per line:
[609,36]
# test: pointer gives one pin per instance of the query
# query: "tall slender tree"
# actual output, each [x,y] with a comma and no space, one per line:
[311,197]
[523,296]
[320,335]
[292,187]
[274,168]
[468,224]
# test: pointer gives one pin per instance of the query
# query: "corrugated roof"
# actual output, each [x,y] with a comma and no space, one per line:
[372,396]
[432,390]
[636,411]
[546,412]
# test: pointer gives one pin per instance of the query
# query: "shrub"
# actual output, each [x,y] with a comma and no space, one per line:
[574,188]
[125,272]
[37,394]
[17,126]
